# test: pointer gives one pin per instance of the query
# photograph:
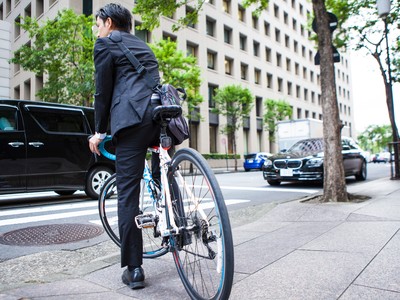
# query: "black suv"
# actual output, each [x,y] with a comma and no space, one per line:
[44,147]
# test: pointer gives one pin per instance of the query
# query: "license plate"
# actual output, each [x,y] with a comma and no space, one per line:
[286,172]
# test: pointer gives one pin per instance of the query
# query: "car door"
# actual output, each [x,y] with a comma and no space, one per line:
[350,157]
[12,150]
[57,151]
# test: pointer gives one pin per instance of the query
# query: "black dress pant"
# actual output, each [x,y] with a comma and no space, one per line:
[131,147]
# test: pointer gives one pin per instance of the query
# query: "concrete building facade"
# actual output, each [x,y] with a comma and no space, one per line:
[270,54]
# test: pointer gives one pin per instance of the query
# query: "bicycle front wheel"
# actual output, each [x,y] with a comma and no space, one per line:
[203,252]
[108,211]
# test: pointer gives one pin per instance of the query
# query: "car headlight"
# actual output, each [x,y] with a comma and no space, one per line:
[267,163]
[314,162]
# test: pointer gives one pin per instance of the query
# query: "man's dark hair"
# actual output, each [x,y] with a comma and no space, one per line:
[121,16]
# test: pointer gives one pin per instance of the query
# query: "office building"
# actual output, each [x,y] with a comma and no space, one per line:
[272,55]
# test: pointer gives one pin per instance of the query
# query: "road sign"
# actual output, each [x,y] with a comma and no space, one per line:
[333,22]
[336,56]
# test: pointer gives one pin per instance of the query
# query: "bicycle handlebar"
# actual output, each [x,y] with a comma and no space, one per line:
[103,150]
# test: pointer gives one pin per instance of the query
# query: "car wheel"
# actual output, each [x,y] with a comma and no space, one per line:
[362,175]
[65,193]
[274,182]
[247,170]
[96,179]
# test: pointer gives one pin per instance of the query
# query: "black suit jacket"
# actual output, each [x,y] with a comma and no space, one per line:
[122,95]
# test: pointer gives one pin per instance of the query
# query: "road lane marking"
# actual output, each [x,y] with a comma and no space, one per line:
[74,214]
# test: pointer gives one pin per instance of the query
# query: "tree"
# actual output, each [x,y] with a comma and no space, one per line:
[62,52]
[275,110]
[375,138]
[334,179]
[234,102]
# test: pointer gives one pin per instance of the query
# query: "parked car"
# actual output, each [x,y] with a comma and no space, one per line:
[255,160]
[44,147]
[383,157]
[304,162]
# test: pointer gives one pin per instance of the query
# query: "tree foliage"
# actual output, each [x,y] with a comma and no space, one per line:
[179,70]
[375,138]
[62,52]
[234,102]
[275,110]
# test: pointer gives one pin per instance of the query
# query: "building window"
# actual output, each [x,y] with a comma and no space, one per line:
[28,11]
[27,89]
[8,7]
[278,60]
[294,24]
[243,71]
[305,94]
[39,8]
[226,6]
[280,84]
[213,138]
[259,105]
[228,65]
[288,64]
[269,81]
[190,10]
[211,60]
[303,51]
[287,41]
[256,48]
[142,34]
[17,93]
[227,35]
[289,88]
[267,28]
[299,114]
[255,22]
[268,54]
[296,68]
[285,18]
[210,27]
[211,93]
[192,49]
[277,35]
[298,91]
[243,42]
[276,11]
[241,13]
[17,28]
[257,76]
[304,72]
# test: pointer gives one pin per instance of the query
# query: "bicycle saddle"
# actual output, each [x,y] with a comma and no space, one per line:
[166,112]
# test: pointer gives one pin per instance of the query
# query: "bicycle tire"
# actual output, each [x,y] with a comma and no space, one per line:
[109,218]
[203,253]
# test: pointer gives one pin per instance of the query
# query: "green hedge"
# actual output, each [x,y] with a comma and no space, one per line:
[220,156]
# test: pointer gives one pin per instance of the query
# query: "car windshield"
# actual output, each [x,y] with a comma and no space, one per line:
[308,146]
[250,156]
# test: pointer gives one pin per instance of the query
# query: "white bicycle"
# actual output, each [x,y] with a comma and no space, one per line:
[185,215]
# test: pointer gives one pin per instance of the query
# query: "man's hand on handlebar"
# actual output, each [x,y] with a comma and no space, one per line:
[94,142]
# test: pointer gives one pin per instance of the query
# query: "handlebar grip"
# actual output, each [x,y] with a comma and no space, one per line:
[103,150]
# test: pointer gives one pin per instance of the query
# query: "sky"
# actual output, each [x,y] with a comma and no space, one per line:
[369,96]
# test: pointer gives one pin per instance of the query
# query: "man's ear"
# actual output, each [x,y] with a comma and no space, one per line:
[109,23]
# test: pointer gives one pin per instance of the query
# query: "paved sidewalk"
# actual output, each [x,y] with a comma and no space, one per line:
[296,250]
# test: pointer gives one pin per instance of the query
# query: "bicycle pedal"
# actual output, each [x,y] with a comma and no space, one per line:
[145,221]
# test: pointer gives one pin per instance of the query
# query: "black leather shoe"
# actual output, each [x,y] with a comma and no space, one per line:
[134,279]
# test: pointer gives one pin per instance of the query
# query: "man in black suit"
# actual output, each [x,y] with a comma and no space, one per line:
[123,99]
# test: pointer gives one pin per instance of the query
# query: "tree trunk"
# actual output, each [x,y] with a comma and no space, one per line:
[334,179]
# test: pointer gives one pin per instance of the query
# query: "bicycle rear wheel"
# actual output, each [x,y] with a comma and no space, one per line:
[203,253]
[108,211]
